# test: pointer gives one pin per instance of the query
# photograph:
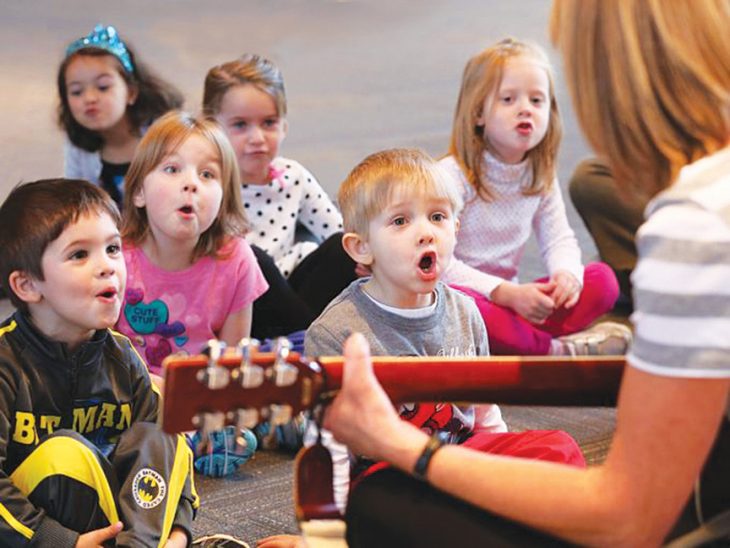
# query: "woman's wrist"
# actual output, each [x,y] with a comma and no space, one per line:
[434,443]
[402,445]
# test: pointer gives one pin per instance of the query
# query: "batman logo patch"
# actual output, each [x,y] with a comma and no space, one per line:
[148,488]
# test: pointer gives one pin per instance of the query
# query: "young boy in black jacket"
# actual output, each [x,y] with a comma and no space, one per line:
[82,460]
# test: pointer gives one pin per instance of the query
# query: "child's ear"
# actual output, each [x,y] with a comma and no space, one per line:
[138,198]
[479,120]
[132,94]
[357,248]
[24,286]
[457,225]
[284,128]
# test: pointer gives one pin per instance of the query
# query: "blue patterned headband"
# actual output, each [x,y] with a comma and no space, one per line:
[105,38]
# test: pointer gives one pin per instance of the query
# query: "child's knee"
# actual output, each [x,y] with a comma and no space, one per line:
[602,279]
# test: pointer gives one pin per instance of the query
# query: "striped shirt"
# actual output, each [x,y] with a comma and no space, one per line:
[682,281]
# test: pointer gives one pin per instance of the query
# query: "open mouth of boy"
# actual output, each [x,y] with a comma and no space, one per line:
[108,294]
[427,266]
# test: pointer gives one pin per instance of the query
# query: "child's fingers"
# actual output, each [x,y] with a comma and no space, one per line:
[98,537]
[546,287]
[572,300]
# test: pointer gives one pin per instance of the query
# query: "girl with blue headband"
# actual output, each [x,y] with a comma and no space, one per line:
[107,100]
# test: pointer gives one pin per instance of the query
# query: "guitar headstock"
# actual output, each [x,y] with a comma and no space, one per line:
[240,386]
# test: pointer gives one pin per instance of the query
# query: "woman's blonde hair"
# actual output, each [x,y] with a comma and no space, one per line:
[248,69]
[481,81]
[165,136]
[650,81]
[374,182]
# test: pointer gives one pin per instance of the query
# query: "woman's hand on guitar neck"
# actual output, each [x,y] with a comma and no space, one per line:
[363,418]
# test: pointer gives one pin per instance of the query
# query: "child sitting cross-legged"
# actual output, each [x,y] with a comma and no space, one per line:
[192,276]
[82,459]
[400,212]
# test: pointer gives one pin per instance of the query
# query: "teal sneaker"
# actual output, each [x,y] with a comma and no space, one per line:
[287,437]
[225,456]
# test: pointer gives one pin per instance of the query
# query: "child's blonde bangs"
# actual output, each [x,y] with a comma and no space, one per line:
[392,175]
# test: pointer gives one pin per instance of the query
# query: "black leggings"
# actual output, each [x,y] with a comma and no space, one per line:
[392,509]
[291,304]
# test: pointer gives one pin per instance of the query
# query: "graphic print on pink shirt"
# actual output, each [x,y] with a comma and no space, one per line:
[151,318]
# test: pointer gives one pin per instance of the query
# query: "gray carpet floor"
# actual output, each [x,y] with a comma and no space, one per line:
[256,501]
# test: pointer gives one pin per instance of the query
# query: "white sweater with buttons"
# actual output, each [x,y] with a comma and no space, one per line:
[274,210]
[493,235]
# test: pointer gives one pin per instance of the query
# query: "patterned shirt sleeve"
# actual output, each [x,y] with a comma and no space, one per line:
[682,295]
[317,213]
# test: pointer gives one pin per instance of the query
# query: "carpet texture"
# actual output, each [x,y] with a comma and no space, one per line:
[257,500]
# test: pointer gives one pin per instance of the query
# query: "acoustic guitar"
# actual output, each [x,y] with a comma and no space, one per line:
[244,387]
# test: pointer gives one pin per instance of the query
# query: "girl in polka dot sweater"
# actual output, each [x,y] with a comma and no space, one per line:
[247,98]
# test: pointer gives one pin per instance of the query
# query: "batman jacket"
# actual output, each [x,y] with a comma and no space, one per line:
[99,391]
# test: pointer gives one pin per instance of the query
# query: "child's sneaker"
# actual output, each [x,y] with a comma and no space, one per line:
[222,454]
[288,437]
[219,541]
[603,339]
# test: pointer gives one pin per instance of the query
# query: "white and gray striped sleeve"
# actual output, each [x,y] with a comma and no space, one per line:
[682,294]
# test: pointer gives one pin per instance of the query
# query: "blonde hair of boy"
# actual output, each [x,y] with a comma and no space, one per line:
[480,81]
[374,182]
[163,138]
[662,98]
[251,69]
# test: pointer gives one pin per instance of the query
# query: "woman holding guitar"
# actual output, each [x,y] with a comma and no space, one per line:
[651,86]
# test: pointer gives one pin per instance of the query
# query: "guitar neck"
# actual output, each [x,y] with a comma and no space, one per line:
[538,380]
[501,379]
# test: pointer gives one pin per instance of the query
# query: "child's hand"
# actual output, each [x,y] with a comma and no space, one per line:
[567,289]
[98,537]
[531,301]
[282,541]
[177,539]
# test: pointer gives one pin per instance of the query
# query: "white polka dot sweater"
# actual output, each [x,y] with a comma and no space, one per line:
[274,209]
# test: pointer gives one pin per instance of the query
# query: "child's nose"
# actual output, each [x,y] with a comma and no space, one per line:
[191,183]
[90,95]
[107,267]
[426,234]
[525,106]
[256,134]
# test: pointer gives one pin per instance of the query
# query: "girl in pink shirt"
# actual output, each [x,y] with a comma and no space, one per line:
[191,275]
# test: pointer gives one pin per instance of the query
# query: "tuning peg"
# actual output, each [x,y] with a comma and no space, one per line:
[248,374]
[214,376]
[208,422]
[279,414]
[246,418]
[284,373]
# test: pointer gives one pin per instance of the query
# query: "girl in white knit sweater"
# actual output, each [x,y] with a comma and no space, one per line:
[502,155]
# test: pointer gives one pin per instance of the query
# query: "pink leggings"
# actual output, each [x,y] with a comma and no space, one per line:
[509,333]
